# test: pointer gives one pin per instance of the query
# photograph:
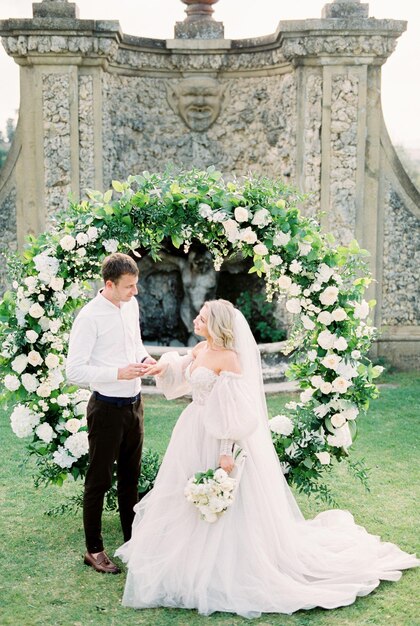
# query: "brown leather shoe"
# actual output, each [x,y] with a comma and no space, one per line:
[101,563]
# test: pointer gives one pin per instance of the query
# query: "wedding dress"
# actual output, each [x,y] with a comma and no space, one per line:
[261,556]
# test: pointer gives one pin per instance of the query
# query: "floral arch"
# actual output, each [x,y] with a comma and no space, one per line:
[324,285]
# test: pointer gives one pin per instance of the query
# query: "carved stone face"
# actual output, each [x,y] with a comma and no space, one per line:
[197,100]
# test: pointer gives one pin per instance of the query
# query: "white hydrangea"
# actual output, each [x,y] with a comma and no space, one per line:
[281,425]
[304,248]
[82,395]
[82,239]
[92,233]
[57,283]
[80,408]
[295,267]
[308,324]
[45,432]
[77,444]
[294,289]
[324,273]
[24,304]
[23,421]
[63,399]
[63,458]
[231,230]
[46,264]
[275,260]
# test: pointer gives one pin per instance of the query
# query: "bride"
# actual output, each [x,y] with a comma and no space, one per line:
[261,556]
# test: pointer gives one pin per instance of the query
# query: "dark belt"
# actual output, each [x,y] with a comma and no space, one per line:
[115,400]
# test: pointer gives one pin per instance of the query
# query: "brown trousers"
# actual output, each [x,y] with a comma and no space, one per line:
[115,434]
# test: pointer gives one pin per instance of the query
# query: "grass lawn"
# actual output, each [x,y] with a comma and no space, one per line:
[44,582]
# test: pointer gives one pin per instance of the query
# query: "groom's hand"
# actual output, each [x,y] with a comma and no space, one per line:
[145,364]
[130,371]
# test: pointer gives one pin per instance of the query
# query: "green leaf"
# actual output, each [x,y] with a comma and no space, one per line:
[119,187]
[108,196]
[177,240]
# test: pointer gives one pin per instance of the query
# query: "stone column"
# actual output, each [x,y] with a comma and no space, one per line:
[338,61]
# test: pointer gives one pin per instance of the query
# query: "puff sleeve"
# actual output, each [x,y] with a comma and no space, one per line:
[229,412]
[173,382]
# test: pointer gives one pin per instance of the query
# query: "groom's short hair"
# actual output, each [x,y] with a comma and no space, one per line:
[117,264]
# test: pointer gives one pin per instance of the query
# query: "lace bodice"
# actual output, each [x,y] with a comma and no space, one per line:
[202,380]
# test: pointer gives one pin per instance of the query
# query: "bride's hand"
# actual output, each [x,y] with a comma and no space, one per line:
[155,370]
[226,463]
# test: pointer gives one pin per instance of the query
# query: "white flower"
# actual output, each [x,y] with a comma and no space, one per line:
[295,267]
[284,282]
[322,410]
[205,210]
[77,444]
[312,354]
[241,214]
[45,264]
[30,382]
[19,363]
[326,387]
[307,322]
[80,408]
[324,273]
[92,233]
[36,311]
[231,230]
[220,475]
[356,354]
[110,245]
[34,358]
[304,248]
[337,420]
[351,413]
[294,289]
[331,361]
[44,390]
[282,425]
[23,420]
[323,457]
[74,291]
[292,450]
[338,315]
[55,378]
[57,283]
[316,381]
[73,425]
[31,281]
[275,259]
[341,438]
[329,296]
[346,370]
[52,361]
[11,382]
[261,218]
[61,299]
[81,252]
[55,325]
[45,432]
[340,344]
[361,310]
[82,395]
[340,384]
[63,458]
[63,399]
[44,322]
[82,239]
[248,236]
[306,395]
[24,304]
[293,305]
[260,249]
[281,239]
[326,339]
[67,242]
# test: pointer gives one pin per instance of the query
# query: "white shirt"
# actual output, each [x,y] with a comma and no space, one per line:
[104,338]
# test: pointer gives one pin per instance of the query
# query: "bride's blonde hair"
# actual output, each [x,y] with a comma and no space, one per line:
[220,320]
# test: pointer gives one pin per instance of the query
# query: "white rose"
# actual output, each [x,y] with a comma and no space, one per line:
[338,315]
[329,296]
[324,273]
[326,387]
[44,322]
[82,395]
[294,289]
[326,339]
[34,358]
[241,214]
[282,425]
[30,382]
[24,304]
[337,420]
[307,322]
[81,408]
[110,245]
[11,382]
[81,252]
[361,310]
[248,236]
[293,305]
[356,354]
[306,395]
[67,242]
[77,444]
[351,413]
[45,432]
[261,218]
[346,370]
[92,233]
[73,425]
[323,457]
[36,311]
[260,249]
[304,248]
[295,267]
[19,363]
[231,230]
[57,283]
[341,437]
[55,325]
[31,282]
[331,361]
[82,239]
[281,239]
[275,259]
[340,344]
[340,384]
[316,381]
[52,361]
[284,282]
[44,390]
[63,399]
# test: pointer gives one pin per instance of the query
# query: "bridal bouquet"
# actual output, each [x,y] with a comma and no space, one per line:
[212,492]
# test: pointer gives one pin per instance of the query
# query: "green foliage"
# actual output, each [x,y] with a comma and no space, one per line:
[260,315]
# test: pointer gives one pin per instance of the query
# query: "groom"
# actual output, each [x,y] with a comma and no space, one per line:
[106,353]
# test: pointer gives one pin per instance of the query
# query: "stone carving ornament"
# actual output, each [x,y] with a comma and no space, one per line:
[197,100]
